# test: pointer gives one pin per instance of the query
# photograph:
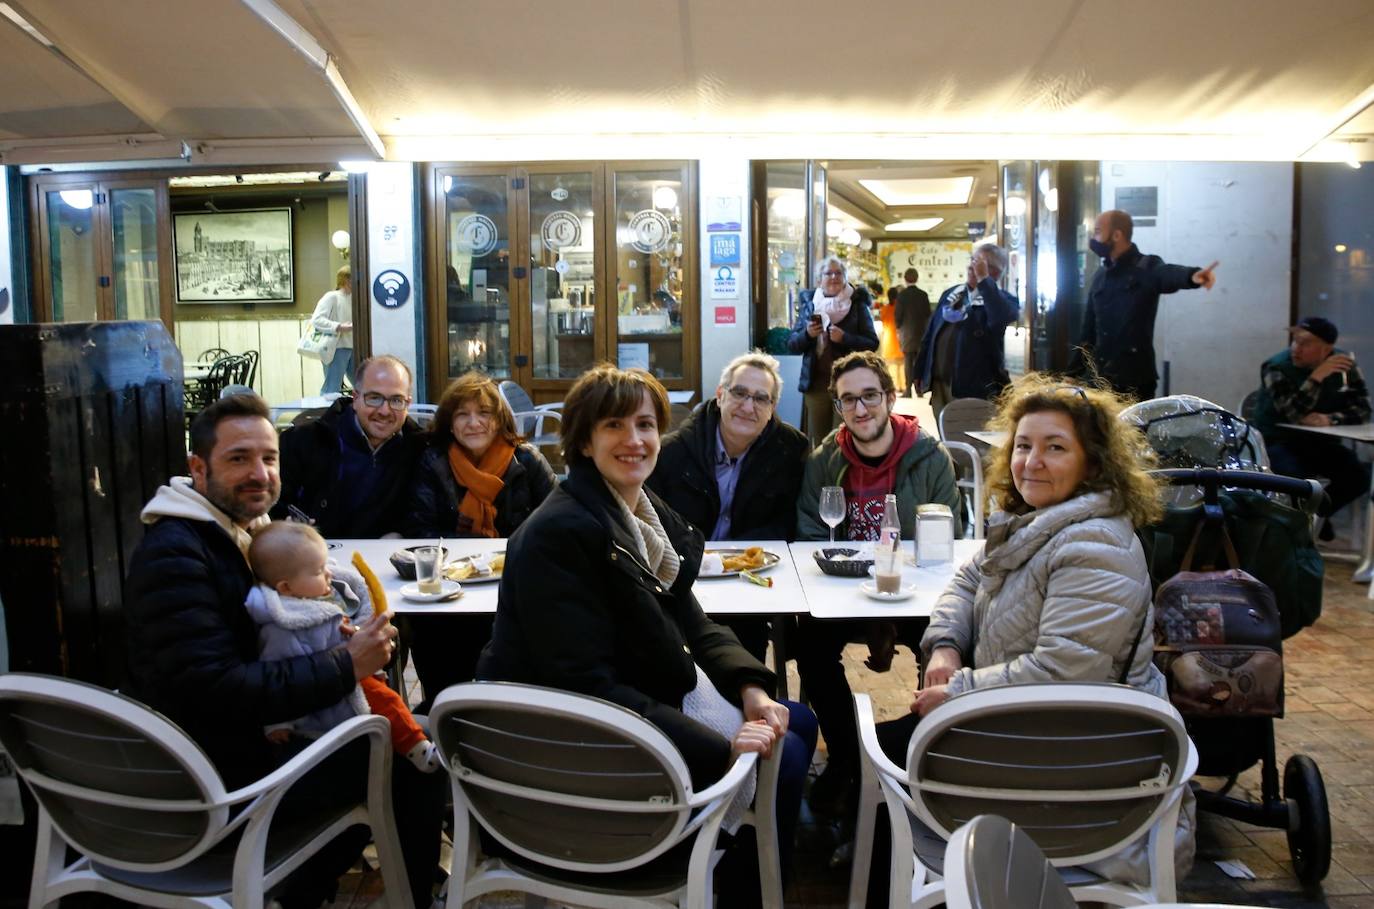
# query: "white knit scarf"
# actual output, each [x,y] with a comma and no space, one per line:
[832,310]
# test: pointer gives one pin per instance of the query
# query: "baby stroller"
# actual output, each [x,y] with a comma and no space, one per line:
[1264,521]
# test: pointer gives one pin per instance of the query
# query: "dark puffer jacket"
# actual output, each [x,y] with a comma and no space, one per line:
[435,495]
[579,611]
[765,503]
[193,649]
[311,480]
[857,325]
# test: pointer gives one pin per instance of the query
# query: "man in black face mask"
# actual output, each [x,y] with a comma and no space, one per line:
[1119,325]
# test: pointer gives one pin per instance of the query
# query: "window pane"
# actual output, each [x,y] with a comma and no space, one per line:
[478,274]
[649,269]
[134,218]
[562,274]
[72,250]
[786,240]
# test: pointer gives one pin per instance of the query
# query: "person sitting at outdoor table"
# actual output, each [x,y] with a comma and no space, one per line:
[733,469]
[348,472]
[596,598]
[476,478]
[874,453]
[1060,590]
[1314,384]
[192,651]
[833,320]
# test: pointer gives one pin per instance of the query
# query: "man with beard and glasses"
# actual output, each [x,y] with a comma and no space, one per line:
[193,649]
[874,453]
[350,471]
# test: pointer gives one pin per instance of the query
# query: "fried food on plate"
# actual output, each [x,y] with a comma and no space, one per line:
[749,559]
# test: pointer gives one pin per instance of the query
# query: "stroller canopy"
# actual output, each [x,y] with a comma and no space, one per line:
[1188,431]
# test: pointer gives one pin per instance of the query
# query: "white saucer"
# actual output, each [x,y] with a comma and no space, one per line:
[870,590]
[447,589]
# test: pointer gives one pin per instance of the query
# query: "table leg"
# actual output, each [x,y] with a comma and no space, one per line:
[1365,570]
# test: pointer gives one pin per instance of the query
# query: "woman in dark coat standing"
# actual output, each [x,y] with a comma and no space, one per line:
[834,319]
[475,478]
[596,598]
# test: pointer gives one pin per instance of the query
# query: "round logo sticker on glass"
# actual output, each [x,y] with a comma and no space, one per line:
[651,230]
[561,228]
[561,266]
[559,194]
[476,234]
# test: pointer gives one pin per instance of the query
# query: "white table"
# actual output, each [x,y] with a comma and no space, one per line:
[986,437]
[829,597]
[1355,432]
[718,596]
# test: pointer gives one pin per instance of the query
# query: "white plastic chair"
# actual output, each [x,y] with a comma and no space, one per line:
[147,814]
[529,418]
[1085,769]
[590,801]
[423,414]
[958,417]
[990,863]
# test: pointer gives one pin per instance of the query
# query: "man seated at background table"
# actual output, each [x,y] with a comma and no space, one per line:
[193,650]
[350,470]
[1314,384]
[874,453]
[733,469]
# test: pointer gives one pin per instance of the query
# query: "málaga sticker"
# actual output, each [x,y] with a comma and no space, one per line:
[476,234]
[561,228]
[651,231]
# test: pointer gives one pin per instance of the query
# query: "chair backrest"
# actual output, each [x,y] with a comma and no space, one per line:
[423,414]
[120,783]
[990,863]
[1248,404]
[212,354]
[1083,768]
[518,399]
[963,415]
[252,356]
[562,779]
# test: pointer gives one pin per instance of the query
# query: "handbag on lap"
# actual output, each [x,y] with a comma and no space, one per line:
[1218,639]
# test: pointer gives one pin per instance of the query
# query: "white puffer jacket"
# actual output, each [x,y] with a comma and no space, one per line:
[1057,594]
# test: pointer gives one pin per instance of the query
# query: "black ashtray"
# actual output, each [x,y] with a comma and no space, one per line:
[403,560]
[829,562]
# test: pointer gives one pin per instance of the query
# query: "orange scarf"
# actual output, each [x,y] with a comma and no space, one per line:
[477,511]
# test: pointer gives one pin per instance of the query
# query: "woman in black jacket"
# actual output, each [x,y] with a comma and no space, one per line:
[834,319]
[476,478]
[596,597]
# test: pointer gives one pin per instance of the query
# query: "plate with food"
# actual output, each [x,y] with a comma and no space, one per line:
[726,563]
[480,568]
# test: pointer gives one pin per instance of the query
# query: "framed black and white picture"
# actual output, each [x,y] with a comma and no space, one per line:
[234,256]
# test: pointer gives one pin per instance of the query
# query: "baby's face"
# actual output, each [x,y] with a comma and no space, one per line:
[311,577]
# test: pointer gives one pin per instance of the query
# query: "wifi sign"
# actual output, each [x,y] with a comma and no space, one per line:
[391,289]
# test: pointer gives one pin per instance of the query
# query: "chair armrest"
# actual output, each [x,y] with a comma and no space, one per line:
[733,779]
[868,738]
[287,774]
[555,407]
[539,416]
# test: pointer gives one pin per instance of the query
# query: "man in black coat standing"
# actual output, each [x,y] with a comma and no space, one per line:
[733,469]
[911,317]
[1119,325]
[193,649]
[351,470]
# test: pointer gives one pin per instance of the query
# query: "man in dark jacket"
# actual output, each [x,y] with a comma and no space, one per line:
[350,471]
[1119,325]
[733,468]
[193,648]
[912,316]
[962,354]
[1314,384]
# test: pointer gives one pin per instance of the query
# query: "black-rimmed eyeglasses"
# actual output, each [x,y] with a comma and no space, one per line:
[739,395]
[377,399]
[847,403]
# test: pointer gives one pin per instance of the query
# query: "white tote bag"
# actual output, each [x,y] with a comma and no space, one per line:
[317,344]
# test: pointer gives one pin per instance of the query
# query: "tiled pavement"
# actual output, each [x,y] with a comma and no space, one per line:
[1330,717]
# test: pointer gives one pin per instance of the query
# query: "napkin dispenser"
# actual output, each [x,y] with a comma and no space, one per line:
[934,534]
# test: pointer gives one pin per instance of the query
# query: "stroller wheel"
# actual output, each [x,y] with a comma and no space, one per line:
[1309,840]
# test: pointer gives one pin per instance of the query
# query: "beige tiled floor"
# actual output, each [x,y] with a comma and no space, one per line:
[1330,717]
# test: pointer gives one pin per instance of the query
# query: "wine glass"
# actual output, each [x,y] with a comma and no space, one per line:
[832,507]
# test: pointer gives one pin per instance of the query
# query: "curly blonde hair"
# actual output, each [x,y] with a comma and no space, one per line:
[1119,458]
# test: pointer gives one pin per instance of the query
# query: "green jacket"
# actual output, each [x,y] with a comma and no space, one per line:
[924,474]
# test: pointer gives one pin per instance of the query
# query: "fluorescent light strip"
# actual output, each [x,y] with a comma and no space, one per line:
[12,14]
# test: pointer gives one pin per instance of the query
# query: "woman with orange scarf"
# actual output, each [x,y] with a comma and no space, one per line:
[476,478]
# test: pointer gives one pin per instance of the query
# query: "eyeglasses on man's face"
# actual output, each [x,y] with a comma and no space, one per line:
[377,399]
[740,394]
[847,403]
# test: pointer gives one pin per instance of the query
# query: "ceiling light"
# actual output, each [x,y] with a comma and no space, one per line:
[833,227]
[340,240]
[790,204]
[13,15]
[1015,206]
[1052,199]
[914,224]
[78,198]
[1340,247]
[665,197]
[850,237]
[1044,180]
[921,191]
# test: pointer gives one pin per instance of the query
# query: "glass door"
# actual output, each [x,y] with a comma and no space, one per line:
[136,258]
[564,262]
[477,225]
[71,259]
